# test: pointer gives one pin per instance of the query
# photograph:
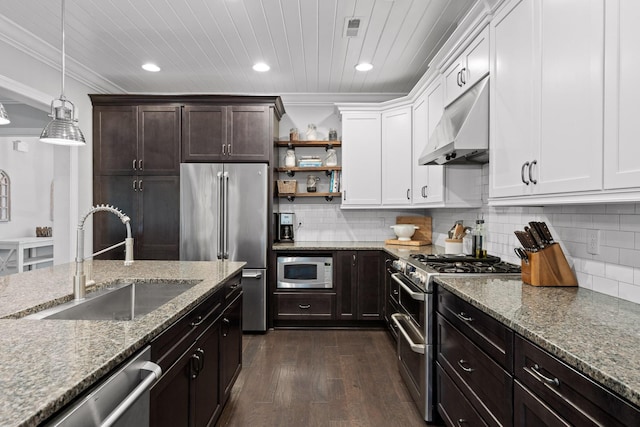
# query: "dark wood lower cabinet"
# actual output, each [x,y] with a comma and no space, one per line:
[359,281]
[197,382]
[508,380]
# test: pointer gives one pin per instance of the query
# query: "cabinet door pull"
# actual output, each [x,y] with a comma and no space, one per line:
[140,185]
[524,165]
[198,322]
[134,164]
[225,322]
[424,191]
[228,149]
[535,370]
[344,195]
[140,164]
[200,353]
[135,185]
[304,306]
[408,194]
[461,421]
[458,79]
[462,79]
[462,315]
[195,366]
[353,257]
[224,149]
[461,363]
[533,181]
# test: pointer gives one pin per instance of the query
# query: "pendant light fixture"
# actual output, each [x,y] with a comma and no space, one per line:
[63,129]
[4,117]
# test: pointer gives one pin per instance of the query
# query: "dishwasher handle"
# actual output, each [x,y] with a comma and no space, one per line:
[154,373]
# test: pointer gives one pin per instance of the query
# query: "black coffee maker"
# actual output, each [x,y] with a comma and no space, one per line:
[284,223]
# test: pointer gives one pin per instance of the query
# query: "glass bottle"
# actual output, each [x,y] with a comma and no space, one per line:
[479,240]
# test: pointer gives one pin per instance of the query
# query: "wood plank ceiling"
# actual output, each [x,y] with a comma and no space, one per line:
[209,46]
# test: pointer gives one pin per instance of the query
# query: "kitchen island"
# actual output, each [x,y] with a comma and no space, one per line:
[44,364]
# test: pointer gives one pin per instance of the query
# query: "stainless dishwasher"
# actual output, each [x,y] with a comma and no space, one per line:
[121,400]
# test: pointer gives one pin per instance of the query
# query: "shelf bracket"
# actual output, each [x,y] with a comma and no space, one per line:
[291,198]
[328,198]
[291,173]
[328,172]
[328,147]
[290,146]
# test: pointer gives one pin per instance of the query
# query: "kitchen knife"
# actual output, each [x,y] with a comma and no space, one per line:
[545,231]
[535,236]
[527,241]
[536,226]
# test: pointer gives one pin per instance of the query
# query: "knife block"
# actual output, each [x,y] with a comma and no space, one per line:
[548,267]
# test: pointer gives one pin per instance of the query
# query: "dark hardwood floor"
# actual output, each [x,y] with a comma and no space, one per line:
[320,378]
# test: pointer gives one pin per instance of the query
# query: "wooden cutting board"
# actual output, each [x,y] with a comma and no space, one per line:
[421,237]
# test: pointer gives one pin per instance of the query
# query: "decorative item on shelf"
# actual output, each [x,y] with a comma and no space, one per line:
[333,135]
[287,186]
[331,159]
[290,159]
[44,232]
[312,182]
[309,162]
[311,134]
[334,182]
[293,134]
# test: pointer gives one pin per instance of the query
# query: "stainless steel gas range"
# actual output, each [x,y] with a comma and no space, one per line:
[412,298]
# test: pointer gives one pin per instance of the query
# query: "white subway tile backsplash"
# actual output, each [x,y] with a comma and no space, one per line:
[608,254]
[620,209]
[590,267]
[606,222]
[619,239]
[636,276]
[620,273]
[630,257]
[630,223]
[606,286]
[629,292]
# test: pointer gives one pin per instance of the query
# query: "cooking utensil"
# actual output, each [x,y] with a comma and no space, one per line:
[527,241]
[458,232]
[546,232]
[535,236]
[522,254]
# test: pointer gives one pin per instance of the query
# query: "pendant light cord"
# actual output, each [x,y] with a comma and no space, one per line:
[63,55]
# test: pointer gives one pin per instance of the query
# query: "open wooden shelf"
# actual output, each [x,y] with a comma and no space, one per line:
[308,143]
[291,196]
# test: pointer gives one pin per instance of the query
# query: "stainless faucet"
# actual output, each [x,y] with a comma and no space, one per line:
[79,279]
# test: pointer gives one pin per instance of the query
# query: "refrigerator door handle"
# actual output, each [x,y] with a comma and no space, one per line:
[252,275]
[226,216]
[220,210]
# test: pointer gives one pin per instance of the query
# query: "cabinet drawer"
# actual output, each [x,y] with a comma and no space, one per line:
[453,407]
[167,347]
[530,411]
[576,398]
[305,305]
[487,386]
[485,331]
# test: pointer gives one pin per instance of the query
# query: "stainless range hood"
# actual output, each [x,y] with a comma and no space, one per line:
[462,135]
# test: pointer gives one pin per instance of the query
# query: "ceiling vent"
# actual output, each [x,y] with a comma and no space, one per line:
[352,26]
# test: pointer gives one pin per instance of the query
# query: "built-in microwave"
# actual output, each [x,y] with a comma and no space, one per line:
[305,272]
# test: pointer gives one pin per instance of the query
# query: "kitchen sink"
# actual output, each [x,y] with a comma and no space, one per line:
[122,301]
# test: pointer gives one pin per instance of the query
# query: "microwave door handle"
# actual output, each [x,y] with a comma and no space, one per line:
[418,296]
[416,348]
[220,225]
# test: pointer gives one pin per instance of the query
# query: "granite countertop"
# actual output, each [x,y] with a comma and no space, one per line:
[597,334]
[44,364]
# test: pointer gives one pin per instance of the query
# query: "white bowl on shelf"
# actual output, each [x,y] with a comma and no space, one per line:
[404,231]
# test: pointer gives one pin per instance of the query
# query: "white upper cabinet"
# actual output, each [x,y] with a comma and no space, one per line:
[396,156]
[622,92]
[427,111]
[468,68]
[546,98]
[361,159]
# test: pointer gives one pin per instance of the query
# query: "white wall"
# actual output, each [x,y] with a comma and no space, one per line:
[31,175]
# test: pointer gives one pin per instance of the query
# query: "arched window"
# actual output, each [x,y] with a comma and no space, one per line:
[5,197]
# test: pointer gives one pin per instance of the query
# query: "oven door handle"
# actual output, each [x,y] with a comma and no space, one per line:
[416,348]
[418,296]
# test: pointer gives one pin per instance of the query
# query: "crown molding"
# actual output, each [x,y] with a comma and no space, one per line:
[28,43]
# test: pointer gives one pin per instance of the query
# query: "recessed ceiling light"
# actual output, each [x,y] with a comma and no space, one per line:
[364,66]
[261,67]
[151,67]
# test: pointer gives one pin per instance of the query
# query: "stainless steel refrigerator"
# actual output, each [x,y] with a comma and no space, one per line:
[223,214]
